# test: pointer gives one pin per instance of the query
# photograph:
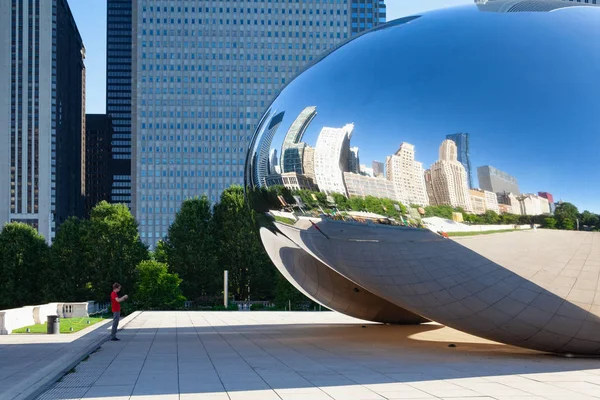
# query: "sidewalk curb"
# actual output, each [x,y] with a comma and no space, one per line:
[57,369]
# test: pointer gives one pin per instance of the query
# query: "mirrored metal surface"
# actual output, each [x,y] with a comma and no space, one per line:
[455,122]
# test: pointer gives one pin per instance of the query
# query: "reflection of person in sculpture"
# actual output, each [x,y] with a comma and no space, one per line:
[115,302]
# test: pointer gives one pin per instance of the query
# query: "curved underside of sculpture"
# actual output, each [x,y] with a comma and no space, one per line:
[533,289]
[328,288]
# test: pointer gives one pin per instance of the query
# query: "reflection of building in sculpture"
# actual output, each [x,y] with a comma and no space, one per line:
[477,201]
[331,158]
[366,171]
[261,167]
[550,199]
[483,200]
[462,145]
[407,176]
[429,187]
[273,162]
[496,181]
[378,169]
[362,186]
[449,179]
[353,161]
[532,204]
[505,209]
[289,152]
[292,181]
[308,162]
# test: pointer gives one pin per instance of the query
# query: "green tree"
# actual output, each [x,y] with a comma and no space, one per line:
[549,223]
[160,252]
[566,215]
[240,251]
[23,266]
[490,217]
[443,211]
[341,201]
[70,264]
[115,248]
[190,249]
[589,219]
[156,288]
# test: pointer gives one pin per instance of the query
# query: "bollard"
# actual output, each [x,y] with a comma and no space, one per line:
[53,325]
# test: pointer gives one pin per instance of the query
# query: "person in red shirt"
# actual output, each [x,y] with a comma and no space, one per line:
[115,302]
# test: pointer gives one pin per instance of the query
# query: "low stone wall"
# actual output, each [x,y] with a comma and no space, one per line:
[15,318]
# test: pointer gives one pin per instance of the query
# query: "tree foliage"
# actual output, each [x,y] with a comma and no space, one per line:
[115,248]
[190,249]
[156,288]
[70,261]
[24,272]
[240,251]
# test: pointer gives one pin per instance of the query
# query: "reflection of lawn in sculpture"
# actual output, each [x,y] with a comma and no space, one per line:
[65,325]
[484,232]
[284,220]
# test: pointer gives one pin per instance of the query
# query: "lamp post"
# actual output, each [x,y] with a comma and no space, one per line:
[225,288]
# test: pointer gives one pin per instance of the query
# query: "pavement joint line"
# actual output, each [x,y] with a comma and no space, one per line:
[50,380]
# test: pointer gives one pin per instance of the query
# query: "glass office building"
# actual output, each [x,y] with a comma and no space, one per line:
[205,72]
[118,96]
[42,80]
[462,146]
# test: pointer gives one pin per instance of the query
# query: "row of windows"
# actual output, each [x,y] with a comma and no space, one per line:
[191,149]
[207,174]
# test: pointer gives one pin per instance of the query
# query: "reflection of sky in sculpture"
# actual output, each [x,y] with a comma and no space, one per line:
[524,85]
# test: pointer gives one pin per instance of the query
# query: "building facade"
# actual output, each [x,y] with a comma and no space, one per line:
[361,186]
[407,176]
[494,180]
[353,161]
[42,134]
[331,158]
[378,169]
[98,160]
[119,72]
[477,201]
[449,179]
[550,198]
[205,72]
[462,144]
[293,147]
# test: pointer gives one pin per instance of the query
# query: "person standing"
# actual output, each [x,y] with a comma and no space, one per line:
[115,302]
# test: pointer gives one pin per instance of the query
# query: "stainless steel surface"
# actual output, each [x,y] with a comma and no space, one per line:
[481,108]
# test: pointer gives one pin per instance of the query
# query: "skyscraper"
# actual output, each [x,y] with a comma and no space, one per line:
[262,167]
[462,144]
[205,72]
[378,169]
[98,160]
[496,181]
[331,158]
[42,126]
[407,176]
[449,179]
[291,160]
[118,96]
[353,160]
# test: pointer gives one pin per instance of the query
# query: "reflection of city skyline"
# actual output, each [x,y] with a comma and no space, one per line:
[334,166]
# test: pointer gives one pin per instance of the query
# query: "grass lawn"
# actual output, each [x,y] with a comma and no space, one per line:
[65,325]
[483,232]
[284,220]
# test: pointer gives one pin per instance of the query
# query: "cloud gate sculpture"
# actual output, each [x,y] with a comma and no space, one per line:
[470,119]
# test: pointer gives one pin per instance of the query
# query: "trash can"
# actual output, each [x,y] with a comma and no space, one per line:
[53,325]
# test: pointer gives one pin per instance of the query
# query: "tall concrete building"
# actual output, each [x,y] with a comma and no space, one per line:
[550,198]
[331,158]
[42,114]
[407,176]
[205,71]
[262,166]
[462,144]
[119,70]
[449,179]
[378,169]
[291,157]
[496,181]
[98,160]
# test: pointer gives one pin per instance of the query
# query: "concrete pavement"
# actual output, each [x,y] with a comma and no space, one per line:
[29,362]
[313,356]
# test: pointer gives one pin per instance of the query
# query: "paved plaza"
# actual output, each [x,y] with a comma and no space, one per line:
[314,356]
